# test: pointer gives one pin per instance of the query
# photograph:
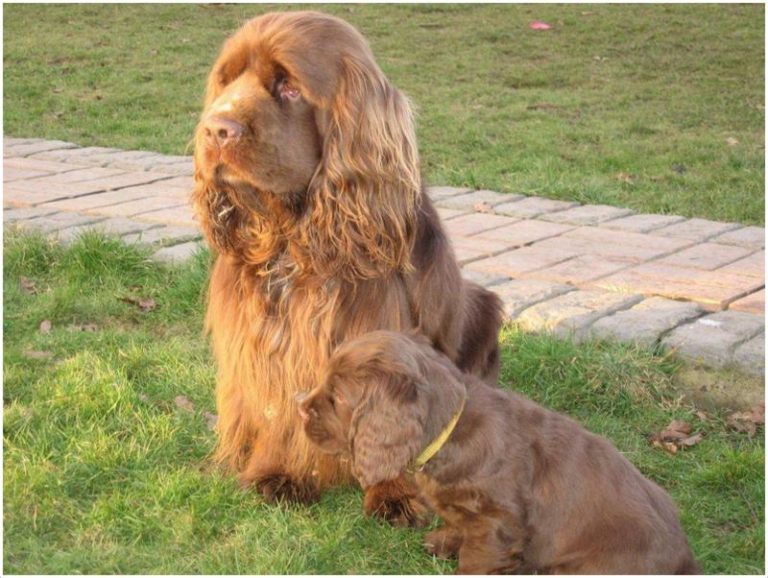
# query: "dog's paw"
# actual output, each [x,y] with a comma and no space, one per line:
[396,503]
[443,543]
[277,488]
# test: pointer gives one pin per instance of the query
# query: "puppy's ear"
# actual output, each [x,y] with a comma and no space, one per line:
[366,191]
[387,431]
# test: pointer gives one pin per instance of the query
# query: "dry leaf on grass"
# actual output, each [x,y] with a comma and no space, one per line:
[211,419]
[483,207]
[731,141]
[182,402]
[45,326]
[675,436]
[747,421]
[27,285]
[143,303]
[626,178]
[702,415]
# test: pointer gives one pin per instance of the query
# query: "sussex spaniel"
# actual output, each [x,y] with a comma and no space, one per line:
[520,488]
[308,189]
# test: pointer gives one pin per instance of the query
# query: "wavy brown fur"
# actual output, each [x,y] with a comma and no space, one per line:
[322,232]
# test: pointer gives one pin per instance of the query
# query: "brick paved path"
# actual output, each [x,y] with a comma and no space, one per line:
[582,270]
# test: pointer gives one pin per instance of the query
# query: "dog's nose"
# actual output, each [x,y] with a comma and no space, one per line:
[222,130]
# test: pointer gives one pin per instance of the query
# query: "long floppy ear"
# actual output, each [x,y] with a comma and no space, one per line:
[365,194]
[387,431]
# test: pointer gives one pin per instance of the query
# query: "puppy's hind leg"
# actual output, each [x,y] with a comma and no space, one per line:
[444,542]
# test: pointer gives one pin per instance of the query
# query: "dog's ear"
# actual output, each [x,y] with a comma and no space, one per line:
[366,192]
[387,431]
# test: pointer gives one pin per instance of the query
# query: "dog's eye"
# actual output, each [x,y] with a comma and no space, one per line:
[284,90]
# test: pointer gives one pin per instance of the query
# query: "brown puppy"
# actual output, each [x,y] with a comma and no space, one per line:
[308,188]
[520,488]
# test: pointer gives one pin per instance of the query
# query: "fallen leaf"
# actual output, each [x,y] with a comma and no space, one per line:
[143,303]
[625,178]
[45,326]
[144,397]
[211,419]
[483,207]
[675,436]
[747,421]
[731,141]
[539,25]
[27,285]
[702,415]
[183,403]
[691,441]
[31,354]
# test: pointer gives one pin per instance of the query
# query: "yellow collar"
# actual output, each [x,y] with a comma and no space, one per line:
[430,451]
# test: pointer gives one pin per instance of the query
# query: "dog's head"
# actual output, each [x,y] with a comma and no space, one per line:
[301,126]
[387,396]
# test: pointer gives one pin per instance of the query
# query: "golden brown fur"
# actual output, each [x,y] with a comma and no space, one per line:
[520,489]
[308,187]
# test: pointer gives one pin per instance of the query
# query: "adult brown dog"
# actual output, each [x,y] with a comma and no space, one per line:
[308,188]
[521,489]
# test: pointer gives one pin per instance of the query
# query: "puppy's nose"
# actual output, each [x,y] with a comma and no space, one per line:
[223,131]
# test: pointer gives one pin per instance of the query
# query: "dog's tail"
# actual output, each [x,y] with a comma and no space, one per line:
[483,316]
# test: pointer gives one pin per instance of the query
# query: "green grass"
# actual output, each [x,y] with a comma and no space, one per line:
[103,473]
[651,92]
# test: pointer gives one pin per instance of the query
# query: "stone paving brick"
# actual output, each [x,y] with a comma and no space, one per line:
[80,174]
[185,168]
[33,193]
[39,165]
[23,150]
[524,232]
[573,312]
[91,202]
[172,235]
[138,207]
[469,201]
[26,213]
[580,269]
[521,261]
[181,182]
[446,214]
[438,193]
[751,237]
[587,215]
[712,339]
[620,245]
[472,223]
[642,223]
[713,289]
[469,249]
[751,266]
[483,279]
[12,142]
[59,221]
[16,174]
[531,207]
[178,253]
[124,180]
[134,160]
[752,303]
[182,215]
[115,227]
[646,322]
[750,356]
[706,256]
[695,229]
[518,294]
[80,155]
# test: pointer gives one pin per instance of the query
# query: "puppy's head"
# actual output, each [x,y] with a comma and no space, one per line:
[386,396]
